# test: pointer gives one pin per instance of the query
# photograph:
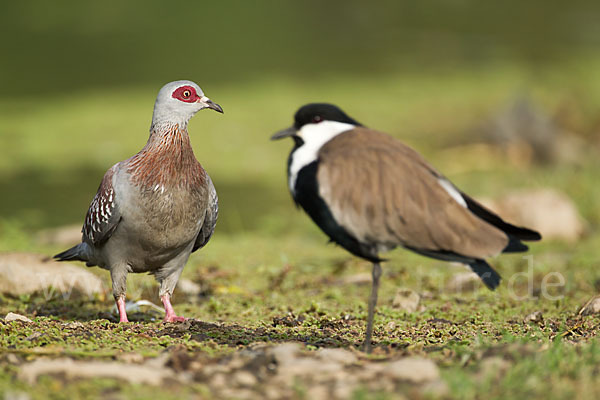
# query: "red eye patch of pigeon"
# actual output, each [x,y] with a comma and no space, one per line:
[186,94]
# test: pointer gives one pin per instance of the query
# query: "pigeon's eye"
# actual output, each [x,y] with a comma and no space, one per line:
[187,94]
[316,119]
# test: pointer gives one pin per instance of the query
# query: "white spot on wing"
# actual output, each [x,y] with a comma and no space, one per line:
[449,187]
[314,137]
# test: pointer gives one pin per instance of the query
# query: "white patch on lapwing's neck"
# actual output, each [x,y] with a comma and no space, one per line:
[314,137]
[452,191]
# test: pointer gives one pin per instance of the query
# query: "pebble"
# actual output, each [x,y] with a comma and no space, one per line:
[285,353]
[244,378]
[133,373]
[591,307]
[11,316]
[337,355]
[531,208]
[406,300]
[464,282]
[25,273]
[188,287]
[413,369]
[535,317]
[493,367]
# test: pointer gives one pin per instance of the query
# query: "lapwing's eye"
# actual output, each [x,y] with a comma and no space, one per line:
[186,94]
[316,119]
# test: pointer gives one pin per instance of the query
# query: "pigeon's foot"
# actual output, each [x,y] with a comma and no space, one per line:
[170,315]
[174,318]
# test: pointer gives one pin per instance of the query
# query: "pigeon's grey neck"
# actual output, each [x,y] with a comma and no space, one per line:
[161,123]
[168,135]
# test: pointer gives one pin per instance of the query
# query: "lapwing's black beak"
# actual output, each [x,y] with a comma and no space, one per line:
[210,104]
[291,131]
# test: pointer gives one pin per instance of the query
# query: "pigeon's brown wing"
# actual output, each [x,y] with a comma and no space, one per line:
[210,218]
[103,216]
[384,192]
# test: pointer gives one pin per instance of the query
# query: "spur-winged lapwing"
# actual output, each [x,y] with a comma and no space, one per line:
[371,193]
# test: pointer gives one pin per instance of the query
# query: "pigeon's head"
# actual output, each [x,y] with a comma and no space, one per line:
[178,101]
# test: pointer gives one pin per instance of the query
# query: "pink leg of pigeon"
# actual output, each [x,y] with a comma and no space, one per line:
[121,307]
[170,315]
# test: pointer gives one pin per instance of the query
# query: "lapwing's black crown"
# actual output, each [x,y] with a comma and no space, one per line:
[317,112]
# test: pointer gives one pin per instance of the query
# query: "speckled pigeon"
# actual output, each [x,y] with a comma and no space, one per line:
[154,209]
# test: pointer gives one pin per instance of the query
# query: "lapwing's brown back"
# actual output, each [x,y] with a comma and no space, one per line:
[384,192]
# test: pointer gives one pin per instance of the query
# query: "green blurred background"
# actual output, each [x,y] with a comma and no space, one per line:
[78,81]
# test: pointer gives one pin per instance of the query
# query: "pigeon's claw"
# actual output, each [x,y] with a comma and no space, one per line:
[170,315]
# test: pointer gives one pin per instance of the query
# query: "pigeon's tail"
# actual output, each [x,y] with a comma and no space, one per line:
[75,253]
[490,278]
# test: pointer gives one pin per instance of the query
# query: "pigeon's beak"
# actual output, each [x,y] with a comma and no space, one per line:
[208,103]
[291,131]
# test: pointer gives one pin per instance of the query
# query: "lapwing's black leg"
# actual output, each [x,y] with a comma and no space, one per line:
[372,303]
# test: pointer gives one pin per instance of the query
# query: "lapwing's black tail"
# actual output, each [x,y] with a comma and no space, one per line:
[515,245]
[515,233]
[490,278]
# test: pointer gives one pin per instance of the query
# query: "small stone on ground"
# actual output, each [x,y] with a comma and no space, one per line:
[11,316]
[26,273]
[464,282]
[406,300]
[591,307]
